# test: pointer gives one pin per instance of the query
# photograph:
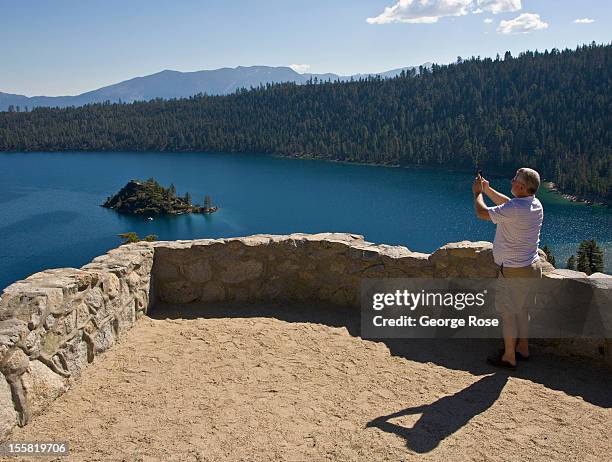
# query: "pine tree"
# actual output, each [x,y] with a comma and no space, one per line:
[129,237]
[549,256]
[590,257]
[571,263]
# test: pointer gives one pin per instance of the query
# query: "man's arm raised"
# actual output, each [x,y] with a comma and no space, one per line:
[479,204]
[497,197]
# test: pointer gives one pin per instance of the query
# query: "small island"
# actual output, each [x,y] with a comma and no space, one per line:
[149,198]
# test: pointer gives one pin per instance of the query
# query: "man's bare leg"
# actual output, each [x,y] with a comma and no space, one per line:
[510,334]
[523,333]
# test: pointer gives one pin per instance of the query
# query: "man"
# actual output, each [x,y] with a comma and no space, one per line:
[515,251]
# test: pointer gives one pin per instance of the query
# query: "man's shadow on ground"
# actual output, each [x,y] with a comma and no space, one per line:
[445,416]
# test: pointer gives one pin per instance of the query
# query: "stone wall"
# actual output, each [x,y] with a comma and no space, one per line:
[54,323]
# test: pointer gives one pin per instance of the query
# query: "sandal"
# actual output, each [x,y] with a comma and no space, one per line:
[497,361]
[518,355]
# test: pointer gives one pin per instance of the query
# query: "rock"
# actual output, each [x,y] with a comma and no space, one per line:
[8,414]
[12,331]
[33,342]
[212,292]
[110,285]
[198,271]
[600,276]
[94,299]
[51,343]
[565,274]
[178,292]
[41,386]
[15,363]
[103,338]
[166,270]
[29,302]
[240,271]
[364,252]
[126,317]
[76,354]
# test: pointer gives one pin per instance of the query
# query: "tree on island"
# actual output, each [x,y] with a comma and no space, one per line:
[207,202]
[149,198]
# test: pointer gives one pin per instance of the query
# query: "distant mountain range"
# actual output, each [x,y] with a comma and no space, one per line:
[174,84]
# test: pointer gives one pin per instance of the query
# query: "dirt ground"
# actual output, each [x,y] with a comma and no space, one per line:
[235,383]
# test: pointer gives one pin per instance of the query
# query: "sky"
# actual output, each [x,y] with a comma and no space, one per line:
[67,47]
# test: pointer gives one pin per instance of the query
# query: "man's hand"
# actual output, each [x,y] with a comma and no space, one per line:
[477,186]
[479,204]
[485,185]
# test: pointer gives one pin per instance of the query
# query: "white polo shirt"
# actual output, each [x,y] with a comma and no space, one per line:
[518,231]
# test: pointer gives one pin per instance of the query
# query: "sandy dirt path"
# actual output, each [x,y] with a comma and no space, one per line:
[253,387]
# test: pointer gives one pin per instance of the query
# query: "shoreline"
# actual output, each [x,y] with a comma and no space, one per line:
[548,185]
[552,187]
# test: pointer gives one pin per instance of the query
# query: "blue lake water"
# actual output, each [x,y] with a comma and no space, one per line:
[50,215]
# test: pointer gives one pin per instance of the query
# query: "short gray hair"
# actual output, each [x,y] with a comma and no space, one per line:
[531,178]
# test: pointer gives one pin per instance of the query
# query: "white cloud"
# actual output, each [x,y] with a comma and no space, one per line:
[300,68]
[522,24]
[498,6]
[430,11]
[488,21]
[584,21]
[421,11]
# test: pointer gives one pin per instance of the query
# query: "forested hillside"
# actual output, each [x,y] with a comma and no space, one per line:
[550,110]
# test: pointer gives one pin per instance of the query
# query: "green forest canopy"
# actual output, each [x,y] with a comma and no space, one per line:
[549,110]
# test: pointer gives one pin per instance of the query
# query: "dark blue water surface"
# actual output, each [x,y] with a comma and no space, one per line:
[50,215]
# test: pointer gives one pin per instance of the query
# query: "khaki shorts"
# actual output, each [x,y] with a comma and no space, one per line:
[515,288]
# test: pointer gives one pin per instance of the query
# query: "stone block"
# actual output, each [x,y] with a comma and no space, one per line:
[109,285]
[166,270]
[141,300]
[65,325]
[237,271]
[103,338]
[51,343]
[126,317]
[33,341]
[15,362]
[566,274]
[76,355]
[212,292]
[133,281]
[29,302]
[12,331]
[198,271]
[178,292]
[41,386]
[8,414]
[286,266]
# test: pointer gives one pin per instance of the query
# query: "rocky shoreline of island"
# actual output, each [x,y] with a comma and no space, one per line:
[149,198]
